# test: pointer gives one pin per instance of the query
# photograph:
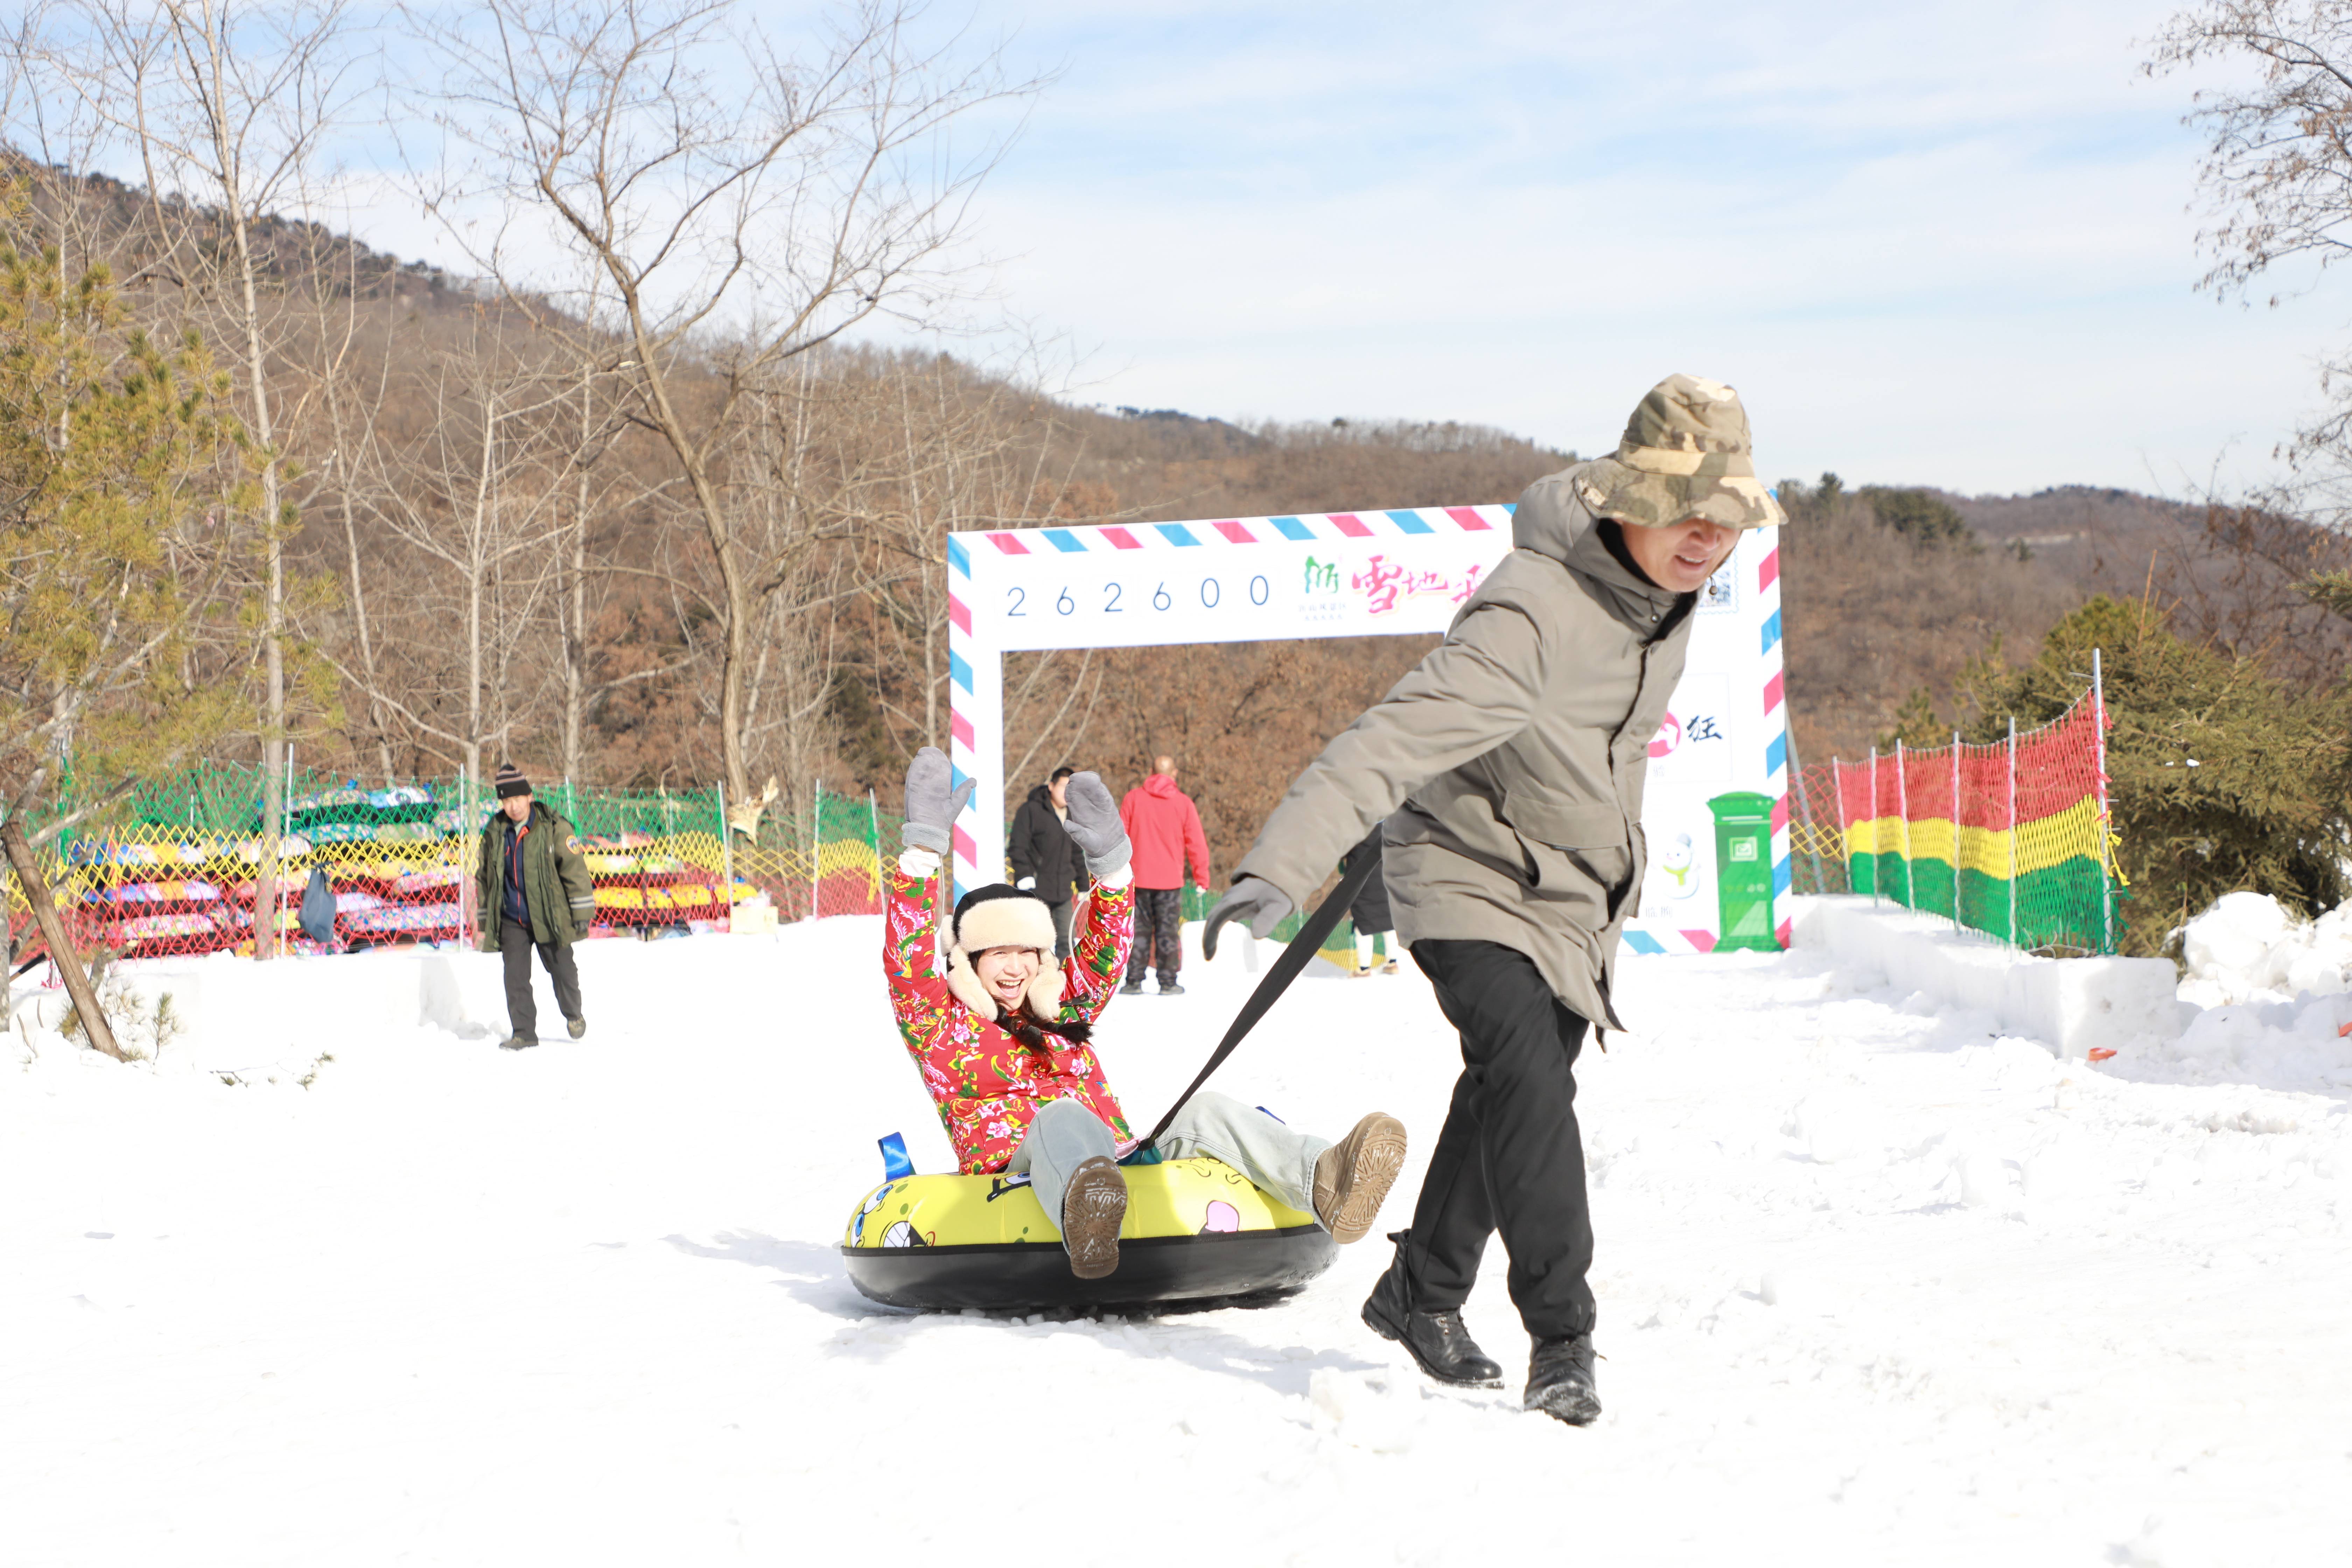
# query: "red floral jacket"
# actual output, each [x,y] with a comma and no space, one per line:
[986,1084]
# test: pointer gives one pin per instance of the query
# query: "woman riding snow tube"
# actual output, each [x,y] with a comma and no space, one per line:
[1002,1040]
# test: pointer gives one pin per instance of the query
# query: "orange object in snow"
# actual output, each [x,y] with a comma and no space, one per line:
[2100,1053]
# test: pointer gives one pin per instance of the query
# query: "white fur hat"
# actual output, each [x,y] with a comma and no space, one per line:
[1002,916]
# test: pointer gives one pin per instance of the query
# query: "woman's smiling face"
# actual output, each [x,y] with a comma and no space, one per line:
[1006,972]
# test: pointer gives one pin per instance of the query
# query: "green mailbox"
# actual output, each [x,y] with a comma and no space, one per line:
[1743,871]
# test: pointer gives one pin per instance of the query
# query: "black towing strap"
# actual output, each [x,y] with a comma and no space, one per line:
[1302,947]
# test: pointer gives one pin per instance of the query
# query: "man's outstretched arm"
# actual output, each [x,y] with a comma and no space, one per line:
[1475,691]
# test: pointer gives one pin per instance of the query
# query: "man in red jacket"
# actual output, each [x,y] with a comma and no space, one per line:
[1166,832]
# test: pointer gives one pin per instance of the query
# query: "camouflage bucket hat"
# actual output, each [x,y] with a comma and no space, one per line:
[1685,454]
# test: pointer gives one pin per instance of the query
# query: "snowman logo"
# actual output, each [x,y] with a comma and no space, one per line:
[1678,861]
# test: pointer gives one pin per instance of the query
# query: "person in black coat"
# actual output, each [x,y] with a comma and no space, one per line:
[1045,858]
[1369,912]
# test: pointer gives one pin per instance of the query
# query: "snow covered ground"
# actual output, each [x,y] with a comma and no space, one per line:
[1876,1286]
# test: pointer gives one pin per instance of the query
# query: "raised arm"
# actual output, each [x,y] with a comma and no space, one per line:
[1099,961]
[1100,957]
[910,928]
[909,920]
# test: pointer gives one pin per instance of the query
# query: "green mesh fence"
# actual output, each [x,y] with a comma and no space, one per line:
[173,867]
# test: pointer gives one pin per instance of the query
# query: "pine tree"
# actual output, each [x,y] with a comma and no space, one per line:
[114,456]
[2221,778]
[1915,724]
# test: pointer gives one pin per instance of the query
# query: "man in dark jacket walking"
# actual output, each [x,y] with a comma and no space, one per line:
[1045,859]
[535,892]
[1510,765]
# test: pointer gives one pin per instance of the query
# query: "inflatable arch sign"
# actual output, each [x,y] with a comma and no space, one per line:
[1716,811]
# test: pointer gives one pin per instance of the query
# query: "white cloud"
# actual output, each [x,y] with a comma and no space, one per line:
[1938,242]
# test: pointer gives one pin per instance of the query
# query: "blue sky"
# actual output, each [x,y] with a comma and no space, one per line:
[1930,242]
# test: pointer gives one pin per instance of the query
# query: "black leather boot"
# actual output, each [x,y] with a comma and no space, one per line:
[1559,1379]
[1438,1340]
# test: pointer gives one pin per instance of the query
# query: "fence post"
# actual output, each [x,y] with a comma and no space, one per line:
[815,796]
[1903,809]
[467,892]
[2013,941]
[1957,923]
[1805,808]
[1878,849]
[285,828]
[726,855]
[2099,736]
[1845,844]
[874,824]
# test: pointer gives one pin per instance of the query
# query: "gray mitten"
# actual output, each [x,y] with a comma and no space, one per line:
[931,809]
[1094,824]
[1259,905]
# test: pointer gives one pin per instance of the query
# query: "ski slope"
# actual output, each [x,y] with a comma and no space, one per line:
[1876,1286]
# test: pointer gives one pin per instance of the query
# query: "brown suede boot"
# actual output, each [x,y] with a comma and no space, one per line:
[1093,1205]
[1352,1177]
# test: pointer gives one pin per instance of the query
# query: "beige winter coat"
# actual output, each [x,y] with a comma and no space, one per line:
[1517,751]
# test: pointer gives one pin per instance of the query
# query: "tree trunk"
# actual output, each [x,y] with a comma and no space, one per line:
[733,757]
[53,931]
[572,605]
[345,470]
[477,566]
[693,460]
[734,599]
[273,636]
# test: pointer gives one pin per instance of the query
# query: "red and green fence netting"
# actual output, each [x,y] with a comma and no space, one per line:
[2011,838]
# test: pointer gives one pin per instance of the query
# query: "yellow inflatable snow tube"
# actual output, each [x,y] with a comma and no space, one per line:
[1195,1230]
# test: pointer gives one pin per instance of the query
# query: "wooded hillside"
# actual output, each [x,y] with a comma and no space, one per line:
[493,557]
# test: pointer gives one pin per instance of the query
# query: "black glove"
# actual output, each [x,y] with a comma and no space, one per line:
[1257,904]
[1094,825]
[931,810]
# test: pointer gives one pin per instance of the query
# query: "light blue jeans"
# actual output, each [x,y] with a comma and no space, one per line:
[1277,1160]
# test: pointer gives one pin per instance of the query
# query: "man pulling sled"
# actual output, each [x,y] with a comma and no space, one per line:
[1510,767]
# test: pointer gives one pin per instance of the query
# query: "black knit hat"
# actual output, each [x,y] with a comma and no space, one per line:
[510,780]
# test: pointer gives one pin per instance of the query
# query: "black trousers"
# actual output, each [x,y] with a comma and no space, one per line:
[1159,934]
[1061,913]
[514,946]
[1510,1157]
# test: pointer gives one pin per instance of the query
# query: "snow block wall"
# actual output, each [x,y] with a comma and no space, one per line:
[2075,1005]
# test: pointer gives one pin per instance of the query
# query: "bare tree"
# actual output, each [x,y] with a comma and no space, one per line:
[978,452]
[477,489]
[352,406]
[226,108]
[2278,155]
[741,204]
